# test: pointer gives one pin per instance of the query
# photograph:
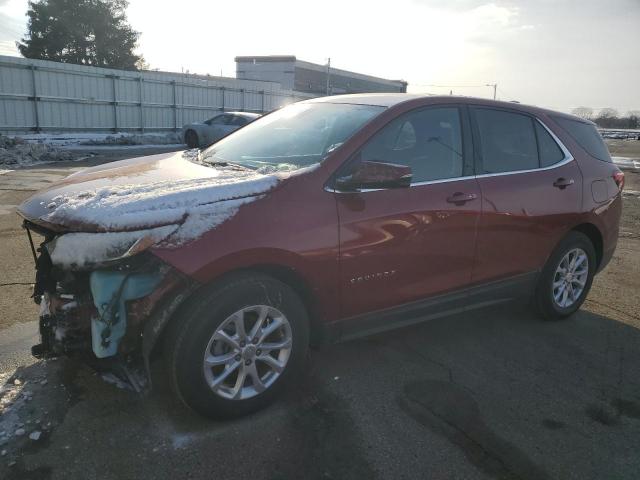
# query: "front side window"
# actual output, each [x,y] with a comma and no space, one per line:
[295,136]
[507,141]
[428,140]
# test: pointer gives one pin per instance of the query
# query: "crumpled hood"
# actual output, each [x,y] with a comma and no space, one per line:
[140,193]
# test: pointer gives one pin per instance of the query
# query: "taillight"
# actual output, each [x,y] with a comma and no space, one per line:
[618,177]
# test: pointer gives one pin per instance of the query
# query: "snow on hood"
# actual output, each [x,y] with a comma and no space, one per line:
[173,212]
[82,249]
[131,207]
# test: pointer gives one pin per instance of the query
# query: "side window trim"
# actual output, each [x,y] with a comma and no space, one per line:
[565,150]
[476,142]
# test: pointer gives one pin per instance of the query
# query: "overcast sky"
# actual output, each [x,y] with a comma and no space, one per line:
[554,53]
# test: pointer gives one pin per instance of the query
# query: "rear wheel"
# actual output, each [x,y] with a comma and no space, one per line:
[237,346]
[191,139]
[566,278]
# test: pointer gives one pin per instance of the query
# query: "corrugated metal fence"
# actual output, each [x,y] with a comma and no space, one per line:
[37,95]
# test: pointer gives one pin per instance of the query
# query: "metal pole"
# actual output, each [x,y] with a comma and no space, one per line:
[328,74]
[141,104]
[262,107]
[35,98]
[242,99]
[175,107]
[222,89]
[495,88]
[115,102]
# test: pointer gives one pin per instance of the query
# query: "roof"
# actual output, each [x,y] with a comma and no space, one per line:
[381,99]
[245,114]
[266,58]
[391,99]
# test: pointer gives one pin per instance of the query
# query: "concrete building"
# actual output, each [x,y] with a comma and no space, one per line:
[300,76]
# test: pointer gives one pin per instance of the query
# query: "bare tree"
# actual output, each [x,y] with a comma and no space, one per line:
[583,112]
[608,113]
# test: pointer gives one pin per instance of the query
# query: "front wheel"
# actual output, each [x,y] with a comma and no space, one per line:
[237,346]
[191,139]
[566,278]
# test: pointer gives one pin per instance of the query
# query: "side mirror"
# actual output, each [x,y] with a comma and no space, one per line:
[374,175]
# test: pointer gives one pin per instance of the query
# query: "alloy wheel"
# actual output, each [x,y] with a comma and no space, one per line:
[248,352]
[570,278]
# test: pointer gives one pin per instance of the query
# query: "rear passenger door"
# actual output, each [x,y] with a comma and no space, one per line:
[531,193]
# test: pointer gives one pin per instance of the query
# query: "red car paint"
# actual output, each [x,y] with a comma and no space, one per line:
[380,249]
[362,252]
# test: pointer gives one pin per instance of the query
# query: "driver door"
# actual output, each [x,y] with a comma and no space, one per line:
[400,245]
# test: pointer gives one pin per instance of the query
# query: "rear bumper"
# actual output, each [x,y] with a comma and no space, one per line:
[609,224]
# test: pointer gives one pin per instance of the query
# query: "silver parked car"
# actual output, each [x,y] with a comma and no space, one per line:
[205,133]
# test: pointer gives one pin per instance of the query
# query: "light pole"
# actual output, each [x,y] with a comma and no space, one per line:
[328,74]
[495,88]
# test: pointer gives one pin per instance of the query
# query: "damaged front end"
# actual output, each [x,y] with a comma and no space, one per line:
[109,314]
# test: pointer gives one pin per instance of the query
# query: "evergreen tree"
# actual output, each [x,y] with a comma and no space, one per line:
[86,32]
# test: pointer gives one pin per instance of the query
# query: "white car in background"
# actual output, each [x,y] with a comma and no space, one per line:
[205,133]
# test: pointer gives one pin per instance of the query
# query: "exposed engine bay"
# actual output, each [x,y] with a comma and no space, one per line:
[109,315]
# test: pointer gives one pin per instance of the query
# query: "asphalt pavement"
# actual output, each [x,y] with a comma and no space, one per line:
[494,394]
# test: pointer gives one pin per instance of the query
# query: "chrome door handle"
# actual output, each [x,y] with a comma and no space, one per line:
[563,183]
[460,198]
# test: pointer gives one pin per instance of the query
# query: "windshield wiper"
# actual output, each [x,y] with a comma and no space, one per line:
[222,163]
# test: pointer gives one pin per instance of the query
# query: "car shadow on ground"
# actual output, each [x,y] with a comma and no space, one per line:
[498,393]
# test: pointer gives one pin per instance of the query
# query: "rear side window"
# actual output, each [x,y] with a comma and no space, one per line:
[507,141]
[587,136]
[548,149]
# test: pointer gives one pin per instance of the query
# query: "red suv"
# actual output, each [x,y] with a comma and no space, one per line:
[324,220]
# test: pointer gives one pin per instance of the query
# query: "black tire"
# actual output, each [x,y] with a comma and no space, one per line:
[544,301]
[191,139]
[188,336]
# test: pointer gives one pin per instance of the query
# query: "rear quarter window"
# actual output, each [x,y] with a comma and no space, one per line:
[587,136]
[548,150]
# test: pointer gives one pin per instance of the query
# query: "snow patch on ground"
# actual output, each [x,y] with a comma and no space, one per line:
[16,152]
[136,139]
[627,163]
[106,139]
[32,149]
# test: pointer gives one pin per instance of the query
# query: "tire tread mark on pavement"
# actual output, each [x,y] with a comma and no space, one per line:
[452,413]
[326,444]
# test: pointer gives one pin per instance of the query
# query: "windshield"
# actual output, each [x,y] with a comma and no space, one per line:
[296,136]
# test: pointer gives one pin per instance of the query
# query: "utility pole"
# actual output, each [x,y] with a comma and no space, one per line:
[328,75]
[495,88]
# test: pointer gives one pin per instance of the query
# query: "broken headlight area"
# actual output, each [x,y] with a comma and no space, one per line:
[99,313]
